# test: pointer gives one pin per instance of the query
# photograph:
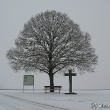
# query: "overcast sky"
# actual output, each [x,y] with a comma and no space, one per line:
[93,16]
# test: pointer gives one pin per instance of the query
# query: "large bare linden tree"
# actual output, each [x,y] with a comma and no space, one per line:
[51,42]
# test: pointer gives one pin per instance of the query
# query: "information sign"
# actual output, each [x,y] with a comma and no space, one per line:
[28,80]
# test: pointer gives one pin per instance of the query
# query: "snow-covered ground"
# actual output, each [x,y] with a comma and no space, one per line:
[84,100]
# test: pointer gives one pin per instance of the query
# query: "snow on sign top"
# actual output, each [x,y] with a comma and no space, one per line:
[28,80]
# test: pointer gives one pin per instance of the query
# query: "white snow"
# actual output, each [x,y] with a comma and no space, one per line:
[84,100]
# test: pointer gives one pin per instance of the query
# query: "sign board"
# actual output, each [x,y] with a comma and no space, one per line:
[28,80]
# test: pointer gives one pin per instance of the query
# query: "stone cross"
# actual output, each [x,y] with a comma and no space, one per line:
[70,74]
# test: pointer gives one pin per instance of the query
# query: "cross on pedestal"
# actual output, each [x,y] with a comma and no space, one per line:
[70,74]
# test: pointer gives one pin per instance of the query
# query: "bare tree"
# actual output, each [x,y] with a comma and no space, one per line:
[51,42]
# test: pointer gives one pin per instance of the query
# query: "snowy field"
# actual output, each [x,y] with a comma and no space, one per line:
[84,100]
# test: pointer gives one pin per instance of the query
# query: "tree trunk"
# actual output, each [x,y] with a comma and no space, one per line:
[51,82]
[51,69]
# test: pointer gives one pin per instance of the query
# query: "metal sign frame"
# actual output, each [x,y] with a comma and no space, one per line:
[28,80]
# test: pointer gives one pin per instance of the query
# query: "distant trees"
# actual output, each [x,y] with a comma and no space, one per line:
[51,42]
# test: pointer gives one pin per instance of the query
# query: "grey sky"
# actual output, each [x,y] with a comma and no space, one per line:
[92,15]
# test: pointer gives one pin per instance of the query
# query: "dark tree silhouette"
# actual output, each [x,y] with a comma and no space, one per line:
[51,42]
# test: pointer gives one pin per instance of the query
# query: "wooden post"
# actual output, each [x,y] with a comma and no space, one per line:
[70,74]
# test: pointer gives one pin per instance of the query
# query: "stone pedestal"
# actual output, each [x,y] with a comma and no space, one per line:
[71,93]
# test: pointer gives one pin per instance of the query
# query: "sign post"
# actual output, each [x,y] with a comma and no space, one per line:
[70,74]
[28,81]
